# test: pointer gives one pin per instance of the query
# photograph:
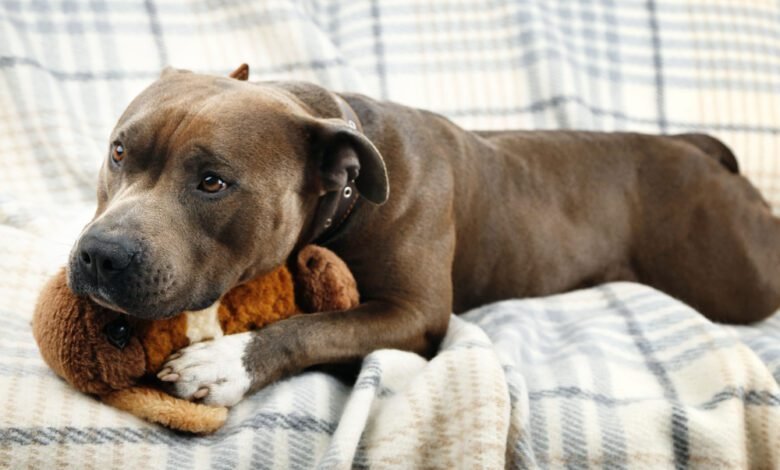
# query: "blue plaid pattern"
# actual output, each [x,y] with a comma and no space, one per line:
[617,376]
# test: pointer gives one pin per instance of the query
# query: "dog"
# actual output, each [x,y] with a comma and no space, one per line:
[210,181]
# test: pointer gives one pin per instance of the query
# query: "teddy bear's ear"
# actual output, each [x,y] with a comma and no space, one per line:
[323,282]
[158,407]
[241,73]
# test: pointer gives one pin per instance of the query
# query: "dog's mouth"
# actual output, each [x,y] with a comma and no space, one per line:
[138,294]
[128,295]
[135,304]
[106,304]
[144,312]
[157,311]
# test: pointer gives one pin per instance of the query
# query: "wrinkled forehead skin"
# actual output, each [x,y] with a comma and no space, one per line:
[184,112]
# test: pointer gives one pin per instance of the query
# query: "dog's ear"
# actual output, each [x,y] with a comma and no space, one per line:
[344,154]
[241,73]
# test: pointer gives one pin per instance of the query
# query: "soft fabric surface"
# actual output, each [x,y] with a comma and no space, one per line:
[619,375]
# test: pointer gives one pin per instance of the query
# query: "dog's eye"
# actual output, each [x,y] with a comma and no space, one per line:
[118,333]
[117,152]
[212,183]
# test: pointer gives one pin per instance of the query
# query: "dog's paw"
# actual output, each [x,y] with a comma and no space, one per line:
[211,371]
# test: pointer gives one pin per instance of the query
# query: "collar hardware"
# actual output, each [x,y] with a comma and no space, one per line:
[335,207]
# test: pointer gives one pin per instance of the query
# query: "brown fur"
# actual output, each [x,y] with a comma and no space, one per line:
[69,333]
[67,329]
[156,406]
[322,284]
[160,338]
[253,305]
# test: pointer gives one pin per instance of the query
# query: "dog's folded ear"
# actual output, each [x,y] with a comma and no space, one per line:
[343,155]
[240,73]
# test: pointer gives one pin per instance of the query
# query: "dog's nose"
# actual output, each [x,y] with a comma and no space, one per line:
[103,256]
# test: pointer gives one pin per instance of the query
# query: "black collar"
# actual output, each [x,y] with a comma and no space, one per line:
[335,207]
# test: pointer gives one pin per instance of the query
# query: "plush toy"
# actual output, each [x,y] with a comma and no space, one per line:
[115,357]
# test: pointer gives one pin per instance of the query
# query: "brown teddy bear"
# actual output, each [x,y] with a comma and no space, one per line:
[115,356]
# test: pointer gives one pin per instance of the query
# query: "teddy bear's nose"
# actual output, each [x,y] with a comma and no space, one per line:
[102,256]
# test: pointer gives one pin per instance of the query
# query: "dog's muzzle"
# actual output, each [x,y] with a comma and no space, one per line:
[102,266]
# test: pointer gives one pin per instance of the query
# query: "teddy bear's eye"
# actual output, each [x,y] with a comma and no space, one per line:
[118,333]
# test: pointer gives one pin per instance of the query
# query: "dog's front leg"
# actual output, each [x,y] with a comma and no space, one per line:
[222,371]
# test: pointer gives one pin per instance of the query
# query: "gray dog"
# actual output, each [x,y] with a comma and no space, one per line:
[211,181]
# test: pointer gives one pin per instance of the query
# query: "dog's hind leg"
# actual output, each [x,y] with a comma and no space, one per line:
[720,254]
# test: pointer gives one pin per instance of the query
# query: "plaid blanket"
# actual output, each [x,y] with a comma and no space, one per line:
[618,376]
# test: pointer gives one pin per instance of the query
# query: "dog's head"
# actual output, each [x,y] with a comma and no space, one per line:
[210,181]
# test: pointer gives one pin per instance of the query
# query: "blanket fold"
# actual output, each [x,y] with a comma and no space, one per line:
[617,376]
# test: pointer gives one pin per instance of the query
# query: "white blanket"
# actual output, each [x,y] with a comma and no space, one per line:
[618,376]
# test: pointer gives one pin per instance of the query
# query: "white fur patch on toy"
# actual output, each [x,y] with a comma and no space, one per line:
[204,324]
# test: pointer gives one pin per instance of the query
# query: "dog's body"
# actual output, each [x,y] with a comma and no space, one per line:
[470,218]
